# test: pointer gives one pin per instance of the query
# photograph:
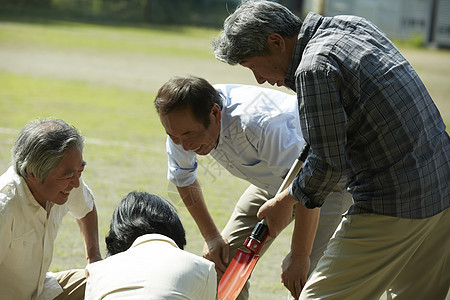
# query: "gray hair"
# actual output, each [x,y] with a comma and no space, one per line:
[40,147]
[246,30]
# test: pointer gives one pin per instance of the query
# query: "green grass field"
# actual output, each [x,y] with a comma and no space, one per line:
[103,81]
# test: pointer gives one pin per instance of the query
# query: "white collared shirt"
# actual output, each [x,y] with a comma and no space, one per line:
[260,138]
[27,235]
[152,268]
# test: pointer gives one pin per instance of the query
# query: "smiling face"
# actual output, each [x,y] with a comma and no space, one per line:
[184,130]
[57,186]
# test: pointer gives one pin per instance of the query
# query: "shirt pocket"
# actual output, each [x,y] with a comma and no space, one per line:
[20,256]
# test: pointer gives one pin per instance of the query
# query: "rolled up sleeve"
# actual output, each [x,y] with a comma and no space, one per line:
[323,120]
[81,201]
[182,165]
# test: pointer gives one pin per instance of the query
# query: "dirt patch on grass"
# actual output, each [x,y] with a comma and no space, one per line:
[131,71]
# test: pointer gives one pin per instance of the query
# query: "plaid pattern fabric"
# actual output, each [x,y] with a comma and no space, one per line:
[367,115]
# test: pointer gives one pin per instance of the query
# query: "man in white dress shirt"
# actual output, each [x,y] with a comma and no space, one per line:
[42,185]
[146,258]
[255,134]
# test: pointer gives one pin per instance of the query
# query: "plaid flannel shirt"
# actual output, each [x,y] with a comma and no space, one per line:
[367,115]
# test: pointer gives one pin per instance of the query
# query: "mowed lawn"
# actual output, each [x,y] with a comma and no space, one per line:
[103,79]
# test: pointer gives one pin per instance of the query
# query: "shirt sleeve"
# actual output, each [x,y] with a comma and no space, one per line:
[81,201]
[323,120]
[5,235]
[7,192]
[280,144]
[182,165]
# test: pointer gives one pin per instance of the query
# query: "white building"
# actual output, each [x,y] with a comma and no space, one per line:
[428,20]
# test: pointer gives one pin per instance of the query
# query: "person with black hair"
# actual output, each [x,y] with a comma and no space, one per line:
[145,256]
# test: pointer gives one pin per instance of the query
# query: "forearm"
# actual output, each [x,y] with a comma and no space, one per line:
[296,265]
[89,230]
[306,222]
[192,197]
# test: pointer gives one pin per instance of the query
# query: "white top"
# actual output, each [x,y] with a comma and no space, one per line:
[152,268]
[259,141]
[27,235]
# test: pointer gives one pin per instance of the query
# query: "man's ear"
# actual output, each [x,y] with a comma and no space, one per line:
[32,178]
[216,113]
[276,42]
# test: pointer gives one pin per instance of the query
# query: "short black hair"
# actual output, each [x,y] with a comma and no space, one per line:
[142,213]
[191,92]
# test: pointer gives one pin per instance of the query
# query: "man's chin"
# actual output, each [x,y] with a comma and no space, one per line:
[202,151]
[62,199]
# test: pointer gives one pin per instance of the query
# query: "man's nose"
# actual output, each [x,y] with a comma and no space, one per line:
[75,182]
[258,78]
[186,145]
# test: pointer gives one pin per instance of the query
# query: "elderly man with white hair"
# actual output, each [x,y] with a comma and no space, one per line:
[42,185]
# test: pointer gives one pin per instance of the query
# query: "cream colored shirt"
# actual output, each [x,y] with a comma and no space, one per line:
[27,235]
[152,268]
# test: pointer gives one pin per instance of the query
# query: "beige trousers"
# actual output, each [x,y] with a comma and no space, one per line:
[243,220]
[370,254]
[73,283]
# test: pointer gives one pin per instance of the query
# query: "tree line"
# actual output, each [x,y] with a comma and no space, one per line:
[209,13]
